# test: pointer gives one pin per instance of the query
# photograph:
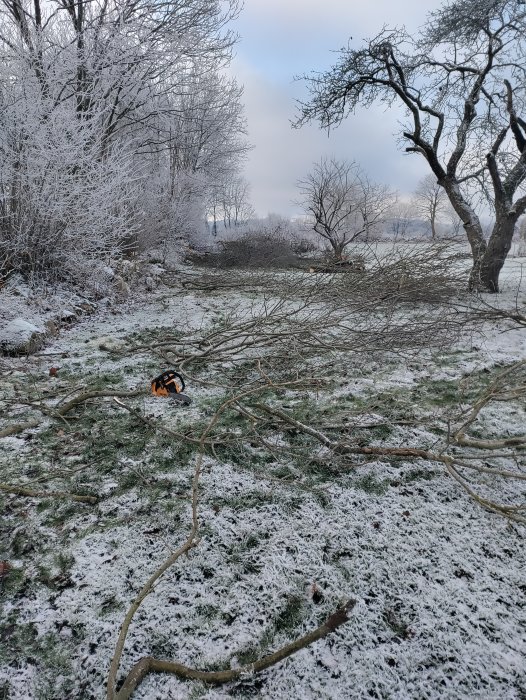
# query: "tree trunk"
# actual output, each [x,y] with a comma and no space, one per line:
[473,229]
[478,247]
[486,277]
[338,249]
[433,215]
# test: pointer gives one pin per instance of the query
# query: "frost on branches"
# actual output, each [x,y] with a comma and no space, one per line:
[115,123]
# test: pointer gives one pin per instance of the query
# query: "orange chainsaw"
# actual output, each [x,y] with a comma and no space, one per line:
[170,384]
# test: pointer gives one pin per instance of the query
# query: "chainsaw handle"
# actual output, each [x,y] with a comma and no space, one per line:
[169,378]
[176,375]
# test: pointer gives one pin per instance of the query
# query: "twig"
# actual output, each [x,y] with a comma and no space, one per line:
[156,425]
[488,396]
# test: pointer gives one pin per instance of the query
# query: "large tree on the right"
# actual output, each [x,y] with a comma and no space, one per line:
[462,82]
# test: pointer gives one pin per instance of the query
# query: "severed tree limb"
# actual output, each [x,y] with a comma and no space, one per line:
[345,448]
[297,424]
[511,512]
[150,665]
[95,394]
[60,410]
[190,542]
[16,428]
[451,463]
[517,441]
[19,491]
[490,470]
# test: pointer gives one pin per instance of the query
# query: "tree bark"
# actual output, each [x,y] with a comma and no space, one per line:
[338,249]
[486,277]
[478,280]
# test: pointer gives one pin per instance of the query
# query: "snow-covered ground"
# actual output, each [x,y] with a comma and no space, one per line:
[440,582]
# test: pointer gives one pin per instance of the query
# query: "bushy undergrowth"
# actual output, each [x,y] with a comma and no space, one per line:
[252,250]
[260,250]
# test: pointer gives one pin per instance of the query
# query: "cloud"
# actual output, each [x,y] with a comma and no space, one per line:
[282,39]
[283,155]
[316,19]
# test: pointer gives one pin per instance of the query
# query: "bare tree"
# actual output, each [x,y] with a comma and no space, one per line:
[454,221]
[236,206]
[228,202]
[343,203]
[241,209]
[462,82]
[203,126]
[429,199]
[400,219]
[214,210]
[200,145]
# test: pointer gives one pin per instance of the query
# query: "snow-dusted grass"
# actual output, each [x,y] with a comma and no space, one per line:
[439,582]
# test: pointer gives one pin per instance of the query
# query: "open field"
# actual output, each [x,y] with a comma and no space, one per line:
[350,438]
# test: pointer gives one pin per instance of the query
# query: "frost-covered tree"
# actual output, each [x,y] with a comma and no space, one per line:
[198,144]
[229,203]
[115,119]
[399,219]
[342,202]
[462,83]
[236,205]
[64,208]
[429,200]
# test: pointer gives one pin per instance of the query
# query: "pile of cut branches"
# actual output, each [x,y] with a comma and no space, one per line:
[265,363]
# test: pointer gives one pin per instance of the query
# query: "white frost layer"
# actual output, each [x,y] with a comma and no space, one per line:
[18,330]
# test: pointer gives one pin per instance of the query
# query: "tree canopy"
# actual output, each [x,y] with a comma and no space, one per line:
[116,122]
[462,82]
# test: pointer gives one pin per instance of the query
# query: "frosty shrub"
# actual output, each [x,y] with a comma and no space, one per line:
[165,215]
[112,131]
[63,196]
[303,246]
[256,250]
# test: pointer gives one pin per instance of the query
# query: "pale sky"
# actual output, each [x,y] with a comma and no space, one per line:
[281,39]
